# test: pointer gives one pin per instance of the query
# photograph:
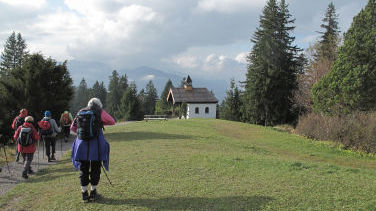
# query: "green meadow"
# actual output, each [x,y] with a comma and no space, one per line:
[209,165]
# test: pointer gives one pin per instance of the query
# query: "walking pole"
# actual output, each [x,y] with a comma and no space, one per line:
[6,159]
[38,156]
[43,147]
[104,170]
[61,147]
[5,154]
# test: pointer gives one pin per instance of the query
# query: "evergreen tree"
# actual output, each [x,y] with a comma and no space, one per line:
[99,91]
[230,107]
[162,106]
[151,96]
[117,87]
[130,105]
[272,69]
[20,50]
[13,54]
[81,97]
[321,58]
[330,36]
[40,84]
[351,83]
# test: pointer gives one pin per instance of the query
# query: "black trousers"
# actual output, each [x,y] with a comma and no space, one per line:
[50,142]
[66,130]
[28,158]
[92,169]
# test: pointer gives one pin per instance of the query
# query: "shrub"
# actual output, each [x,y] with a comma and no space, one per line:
[356,130]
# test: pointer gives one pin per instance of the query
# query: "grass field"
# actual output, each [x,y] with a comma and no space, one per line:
[209,165]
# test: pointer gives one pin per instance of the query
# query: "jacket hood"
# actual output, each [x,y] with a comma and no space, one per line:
[28,124]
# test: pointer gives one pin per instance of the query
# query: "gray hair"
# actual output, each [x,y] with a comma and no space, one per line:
[93,101]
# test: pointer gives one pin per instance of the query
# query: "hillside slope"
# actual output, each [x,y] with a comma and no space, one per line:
[209,165]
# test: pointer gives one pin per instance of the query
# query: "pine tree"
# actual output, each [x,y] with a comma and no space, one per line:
[117,87]
[40,84]
[151,96]
[81,97]
[130,105]
[330,36]
[14,53]
[351,83]
[272,69]
[99,91]
[321,58]
[230,107]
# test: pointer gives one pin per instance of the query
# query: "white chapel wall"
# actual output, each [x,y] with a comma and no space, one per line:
[201,107]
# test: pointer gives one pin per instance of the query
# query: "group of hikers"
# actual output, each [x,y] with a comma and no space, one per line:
[90,150]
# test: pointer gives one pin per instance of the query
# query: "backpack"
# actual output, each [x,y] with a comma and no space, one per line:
[19,122]
[24,138]
[45,127]
[65,119]
[88,125]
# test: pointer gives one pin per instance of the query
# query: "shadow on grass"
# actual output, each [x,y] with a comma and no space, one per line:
[48,174]
[194,203]
[46,178]
[143,135]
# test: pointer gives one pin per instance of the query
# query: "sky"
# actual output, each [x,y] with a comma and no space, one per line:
[205,38]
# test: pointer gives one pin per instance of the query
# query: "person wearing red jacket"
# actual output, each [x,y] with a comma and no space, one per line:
[18,121]
[28,133]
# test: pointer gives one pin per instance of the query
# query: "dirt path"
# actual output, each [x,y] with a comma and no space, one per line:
[8,181]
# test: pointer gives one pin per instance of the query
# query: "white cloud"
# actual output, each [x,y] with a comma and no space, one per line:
[27,4]
[148,77]
[214,63]
[242,57]
[186,61]
[89,32]
[229,6]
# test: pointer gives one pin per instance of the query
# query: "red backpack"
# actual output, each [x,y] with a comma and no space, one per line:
[45,127]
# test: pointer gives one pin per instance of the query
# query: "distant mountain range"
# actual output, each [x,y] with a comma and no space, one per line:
[95,71]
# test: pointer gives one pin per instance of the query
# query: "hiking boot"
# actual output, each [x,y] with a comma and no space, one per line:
[48,159]
[18,157]
[24,175]
[94,195]
[53,157]
[30,171]
[85,196]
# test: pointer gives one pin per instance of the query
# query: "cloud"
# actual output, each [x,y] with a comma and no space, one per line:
[242,57]
[26,4]
[186,61]
[214,63]
[229,6]
[148,77]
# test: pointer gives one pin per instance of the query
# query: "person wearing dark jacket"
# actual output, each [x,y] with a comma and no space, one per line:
[27,130]
[50,140]
[88,155]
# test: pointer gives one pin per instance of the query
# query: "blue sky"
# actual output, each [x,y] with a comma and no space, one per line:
[204,38]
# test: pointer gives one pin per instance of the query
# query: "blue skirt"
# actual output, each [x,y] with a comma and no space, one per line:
[88,151]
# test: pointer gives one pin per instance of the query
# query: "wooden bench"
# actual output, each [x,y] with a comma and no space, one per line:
[155,117]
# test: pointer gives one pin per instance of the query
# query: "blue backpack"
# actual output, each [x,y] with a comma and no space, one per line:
[88,125]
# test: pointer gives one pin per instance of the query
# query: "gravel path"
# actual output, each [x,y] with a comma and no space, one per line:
[8,181]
